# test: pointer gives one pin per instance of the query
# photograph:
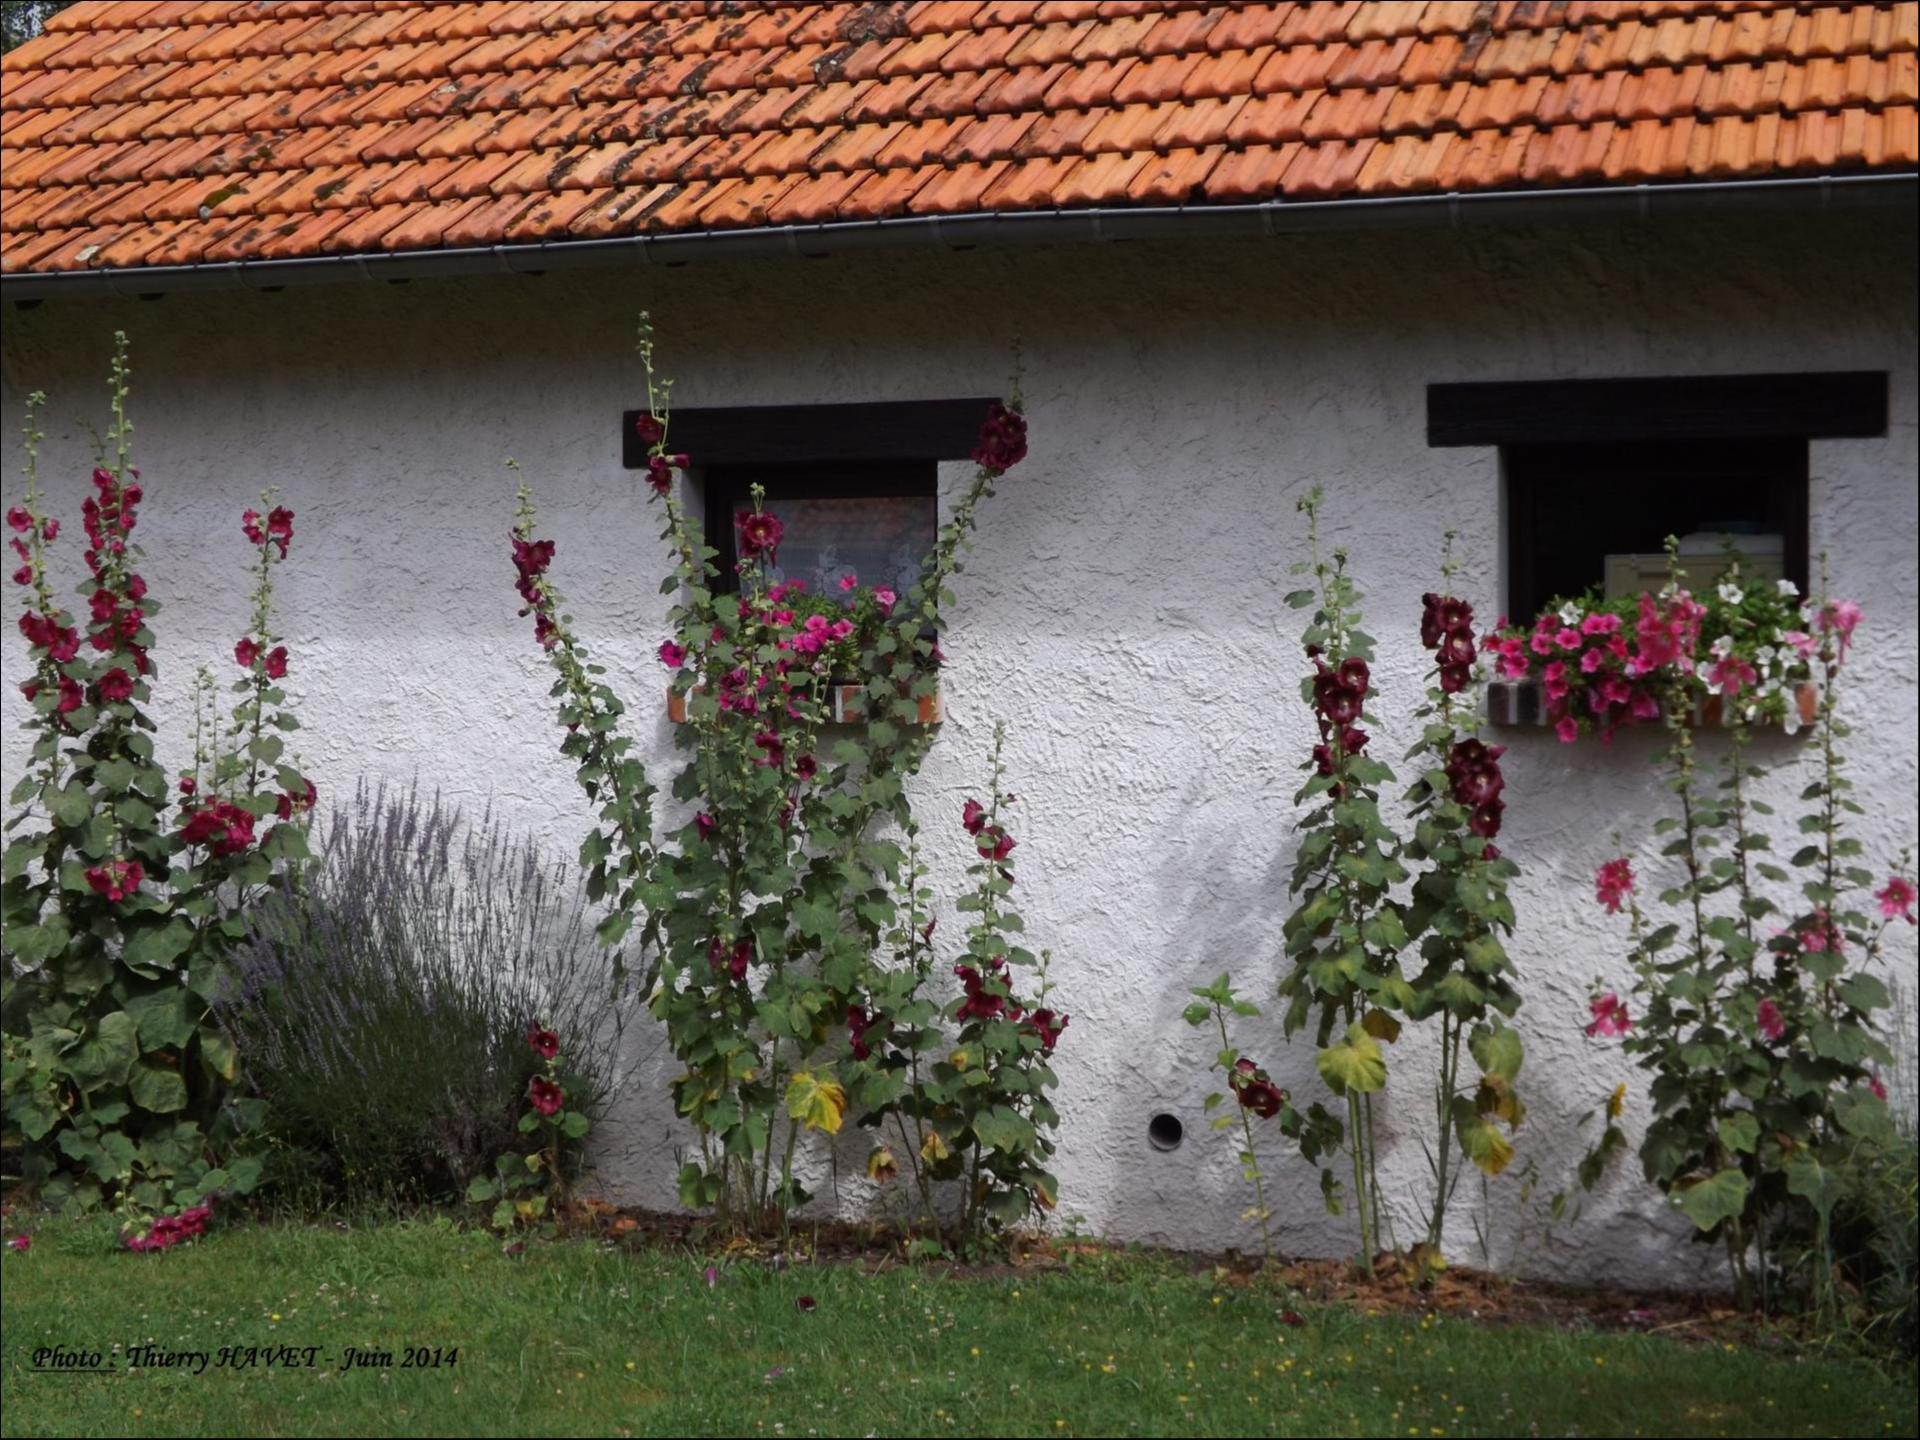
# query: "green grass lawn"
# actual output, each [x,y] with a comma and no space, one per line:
[578,1339]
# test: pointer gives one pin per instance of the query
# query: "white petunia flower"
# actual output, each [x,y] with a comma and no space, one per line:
[1787,588]
[1732,594]
[1570,614]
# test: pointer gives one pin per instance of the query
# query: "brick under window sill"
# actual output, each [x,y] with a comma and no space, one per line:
[846,706]
[1523,703]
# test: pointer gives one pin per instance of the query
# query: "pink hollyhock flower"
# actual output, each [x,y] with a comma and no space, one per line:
[545,1096]
[1730,674]
[1896,899]
[543,1043]
[18,520]
[1803,644]
[760,534]
[222,825]
[116,686]
[1821,936]
[1839,617]
[671,655]
[116,879]
[849,582]
[703,822]
[885,599]
[245,652]
[1879,1090]
[1610,1016]
[277,662]
[279,527]
[1771,1023]
[1613,882]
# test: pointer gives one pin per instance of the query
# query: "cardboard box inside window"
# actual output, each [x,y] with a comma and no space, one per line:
[1703,561]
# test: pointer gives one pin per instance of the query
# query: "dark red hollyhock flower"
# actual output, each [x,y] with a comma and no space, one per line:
[981,1003]
[734,962]
[1003,439]
[50,530]
[222,825]
[18,520]
[280,528]
[703,822]
[544,1043]
[547,633]
[659,474]
[806,767]
[994,843]
[760,534]
[1443,615]
[116,686]
[774,752]
[1485,820]
[103,603]
[246,650]
[648,430]
[23,576]
[277,662]
[291,805]
[249,521]
[1456,648]
[136,588]
[973,815]
[545,1096]
[1254,1090]
[1455,678]
[30,688]
[1473,770]
[1047,1026]
[70,697]
[116,879]
[860,1020]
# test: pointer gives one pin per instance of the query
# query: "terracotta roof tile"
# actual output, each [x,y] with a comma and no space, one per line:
[166,131]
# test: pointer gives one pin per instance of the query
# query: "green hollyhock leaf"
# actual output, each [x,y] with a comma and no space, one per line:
[1355,1066]
[154,947]
[1740,1132]
[69,806]
[1717,1198]
[1496,1049]
[1862,1113]
[161,1017]
[1865,992]
[157,1088]
[1003,1129]
[1814,1182]
[105,1056]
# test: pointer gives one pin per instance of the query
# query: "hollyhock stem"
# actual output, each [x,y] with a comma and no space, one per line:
[1253,1156]
[1360,1186]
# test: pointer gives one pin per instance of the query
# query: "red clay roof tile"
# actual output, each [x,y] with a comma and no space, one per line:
[164,131]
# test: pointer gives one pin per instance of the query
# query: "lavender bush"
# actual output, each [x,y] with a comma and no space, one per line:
[384,1004]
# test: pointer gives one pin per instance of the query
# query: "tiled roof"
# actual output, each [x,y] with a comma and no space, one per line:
[169,132]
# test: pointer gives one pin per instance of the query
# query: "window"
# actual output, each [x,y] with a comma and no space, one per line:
[1595,517]
[1597,473]
[875,518]
[856,486]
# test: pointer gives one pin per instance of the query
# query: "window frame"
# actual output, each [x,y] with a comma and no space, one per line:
[725,493]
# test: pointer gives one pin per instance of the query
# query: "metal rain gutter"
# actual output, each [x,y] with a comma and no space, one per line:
[1452,210]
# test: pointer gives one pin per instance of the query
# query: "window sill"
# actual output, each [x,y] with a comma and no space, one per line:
[847,702]
[1522,704]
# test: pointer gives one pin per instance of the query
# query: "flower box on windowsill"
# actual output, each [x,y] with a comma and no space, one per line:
[847,701]
[1524,702]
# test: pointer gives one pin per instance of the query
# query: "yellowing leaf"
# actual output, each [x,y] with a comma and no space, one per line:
[1354,1066]
[1381,1025]
[816,1102]
[881,1166]
[933,1149]
[1617,1101]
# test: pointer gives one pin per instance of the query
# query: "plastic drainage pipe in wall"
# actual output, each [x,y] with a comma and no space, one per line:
[1453,210]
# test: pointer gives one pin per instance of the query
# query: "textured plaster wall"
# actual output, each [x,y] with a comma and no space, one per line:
[1120,611]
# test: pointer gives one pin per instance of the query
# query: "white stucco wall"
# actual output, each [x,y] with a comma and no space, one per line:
[1120,610]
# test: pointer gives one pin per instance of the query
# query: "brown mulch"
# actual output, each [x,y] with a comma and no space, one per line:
[1457,1292]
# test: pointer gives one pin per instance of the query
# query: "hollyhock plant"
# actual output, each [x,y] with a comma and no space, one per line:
[546,1097]
[771,901]
[1754,1008]
[532,1188]
[118,907]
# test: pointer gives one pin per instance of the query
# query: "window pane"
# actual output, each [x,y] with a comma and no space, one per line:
[880,538]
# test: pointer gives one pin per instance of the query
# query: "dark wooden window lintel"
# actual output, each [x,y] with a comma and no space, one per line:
[789,434]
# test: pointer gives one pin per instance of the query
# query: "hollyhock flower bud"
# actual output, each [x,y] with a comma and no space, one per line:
[1879,1090]
[50,530]
[1613,882]
[23,576]
[545,1096]
[543,1043]
[188,785]
[115,687]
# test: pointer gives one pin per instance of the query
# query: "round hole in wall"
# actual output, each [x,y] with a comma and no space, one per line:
[1165,1132]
